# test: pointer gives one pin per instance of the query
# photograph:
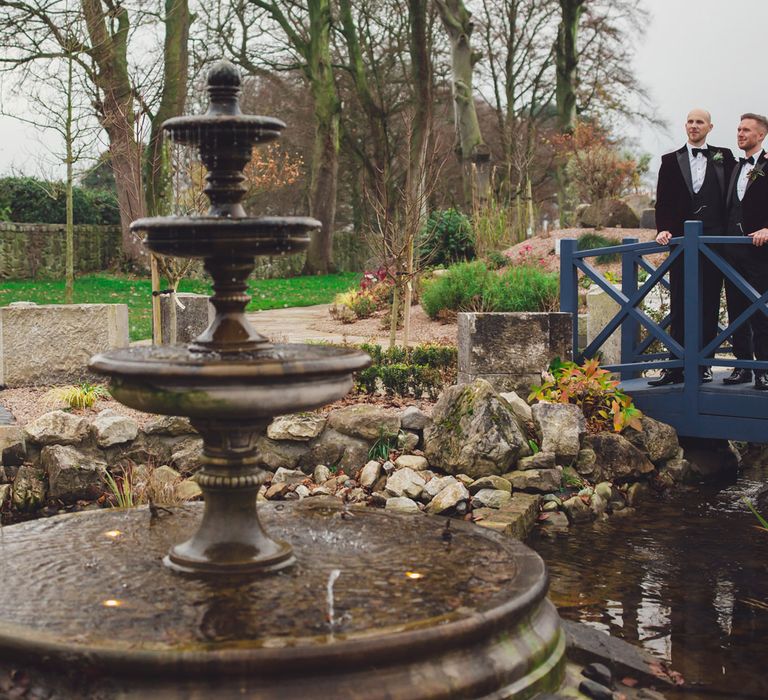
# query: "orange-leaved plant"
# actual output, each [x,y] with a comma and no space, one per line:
[592,389]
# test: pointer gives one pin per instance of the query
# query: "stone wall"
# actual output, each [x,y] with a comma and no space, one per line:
[510,350]
[51,344]
[32,250]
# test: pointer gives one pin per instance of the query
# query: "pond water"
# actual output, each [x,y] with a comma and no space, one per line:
[685,578]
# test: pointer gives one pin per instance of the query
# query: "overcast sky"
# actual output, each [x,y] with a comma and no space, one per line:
[705,53]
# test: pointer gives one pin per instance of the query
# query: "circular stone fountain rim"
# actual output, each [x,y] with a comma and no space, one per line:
[202,365]
[394,642]
[245,121]
[225,225]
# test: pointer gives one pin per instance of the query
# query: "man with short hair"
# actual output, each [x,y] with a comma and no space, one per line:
[692,186]
[748,215]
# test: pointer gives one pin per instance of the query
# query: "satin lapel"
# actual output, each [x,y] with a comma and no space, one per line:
[759,167]
[685,169]
[732,184]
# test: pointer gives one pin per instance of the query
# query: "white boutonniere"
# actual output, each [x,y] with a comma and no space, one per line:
[717,157]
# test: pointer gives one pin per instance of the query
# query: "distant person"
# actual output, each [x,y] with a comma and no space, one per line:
[692,186]
[748,215]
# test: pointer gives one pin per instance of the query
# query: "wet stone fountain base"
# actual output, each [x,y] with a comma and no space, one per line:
[376,606]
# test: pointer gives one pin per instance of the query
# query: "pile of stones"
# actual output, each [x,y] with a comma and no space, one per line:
[482,455]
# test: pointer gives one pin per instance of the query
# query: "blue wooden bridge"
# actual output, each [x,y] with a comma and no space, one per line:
[695,409]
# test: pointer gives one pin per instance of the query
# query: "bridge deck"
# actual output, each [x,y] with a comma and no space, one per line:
[737,412]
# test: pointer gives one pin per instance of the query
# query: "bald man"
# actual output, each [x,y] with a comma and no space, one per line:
[693,184]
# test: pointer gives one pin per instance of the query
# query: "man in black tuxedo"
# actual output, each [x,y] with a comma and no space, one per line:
[748,215]
[692,186]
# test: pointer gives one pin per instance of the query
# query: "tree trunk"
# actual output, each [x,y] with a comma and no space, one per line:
[69,275]
[473,153]
[110,54]
[324,171]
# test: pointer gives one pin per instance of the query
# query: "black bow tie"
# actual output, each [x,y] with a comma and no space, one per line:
[696,151]
[750,160]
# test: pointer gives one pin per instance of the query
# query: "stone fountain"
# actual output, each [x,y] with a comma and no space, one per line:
[335,603]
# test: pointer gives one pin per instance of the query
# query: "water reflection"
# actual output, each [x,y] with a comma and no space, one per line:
[687,579]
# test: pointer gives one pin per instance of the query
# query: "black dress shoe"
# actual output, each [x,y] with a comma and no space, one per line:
[761,381]
[668,376]
[706,375]
[739,376]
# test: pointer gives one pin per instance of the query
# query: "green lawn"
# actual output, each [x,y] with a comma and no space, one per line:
[114,289]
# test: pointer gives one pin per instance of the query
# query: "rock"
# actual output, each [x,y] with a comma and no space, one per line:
[648,218]
[678,469]
[605,490]
[321,474]
[636,493]
[114,430]
[598,504]
[288,476]
[658,440]
[474,432]
[617,458]
[187,456]
[412,461]
[405,482]
[57,428]
[596,691]
[541,460]
[321,491]
[164,478]
[490,482]
[173,426]
[491,498]
[364,421]
[550,507]
[414,419]
[28,489]
[711,458]
[587,491]
[356,496]
[187,490]
[561,427]
[388,467]
[609,213]
[449,497]
[576,510]
[72,476]
[536,480]
[586,461]
[300,426]
[370,473]
[277,491]
[12,448]
[335,448]
[285,454]
[519,406]
[465,479]
[407,441]
[400,504]
[555,520]
[302,491]
[437,484]
[5,494]
[515,518]
[551,498]
[599,673]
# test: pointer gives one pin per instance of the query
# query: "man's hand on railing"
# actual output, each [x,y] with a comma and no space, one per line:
[759,237]
[663,237]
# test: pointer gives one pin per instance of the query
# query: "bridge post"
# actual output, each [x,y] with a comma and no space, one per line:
[630,328]
[692,343]
[569,290]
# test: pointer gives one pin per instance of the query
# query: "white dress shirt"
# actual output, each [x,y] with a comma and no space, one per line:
[746,169]
[698,167]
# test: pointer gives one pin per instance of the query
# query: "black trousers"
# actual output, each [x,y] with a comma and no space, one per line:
[712,284]
[751,340]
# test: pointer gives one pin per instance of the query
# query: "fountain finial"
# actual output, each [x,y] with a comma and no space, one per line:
[224,89]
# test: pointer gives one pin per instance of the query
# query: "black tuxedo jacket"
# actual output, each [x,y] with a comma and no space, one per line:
[755,202]
[674,192]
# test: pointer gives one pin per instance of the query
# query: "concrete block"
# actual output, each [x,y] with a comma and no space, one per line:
[648,218]
[600,310]
[52,343]
[510,350]
[191,321]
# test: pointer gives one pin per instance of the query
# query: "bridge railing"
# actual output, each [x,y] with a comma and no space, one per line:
[631,316]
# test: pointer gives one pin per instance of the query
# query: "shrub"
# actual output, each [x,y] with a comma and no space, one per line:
[447,238]
[473,287]
[590,241]
[592,389]
[362,305]
[495,260]
[29,200]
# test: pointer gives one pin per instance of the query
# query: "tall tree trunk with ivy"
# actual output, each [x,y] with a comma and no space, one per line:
[69,248]
[566,66]
[472,150]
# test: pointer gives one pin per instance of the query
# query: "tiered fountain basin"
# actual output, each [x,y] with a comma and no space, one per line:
[90,611]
